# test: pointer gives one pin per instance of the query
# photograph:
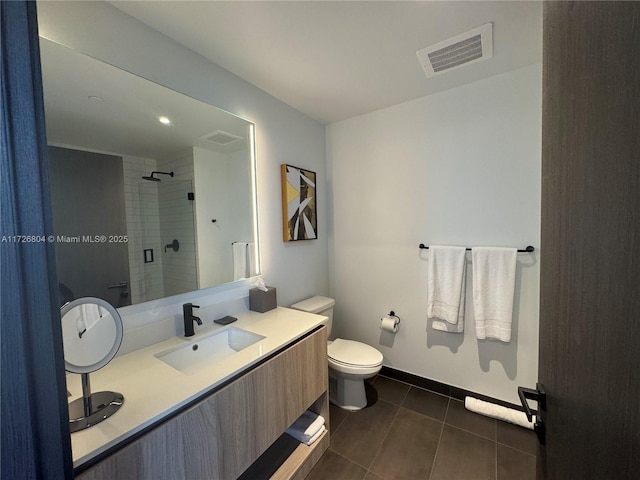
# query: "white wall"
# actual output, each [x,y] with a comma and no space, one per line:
[461,167]
[213,198]
[223,186]
[283,135]
[240,208]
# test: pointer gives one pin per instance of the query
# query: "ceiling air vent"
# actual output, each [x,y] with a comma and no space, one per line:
[220,137]
[464,49]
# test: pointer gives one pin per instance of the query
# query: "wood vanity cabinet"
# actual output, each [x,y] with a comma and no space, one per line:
[222,435]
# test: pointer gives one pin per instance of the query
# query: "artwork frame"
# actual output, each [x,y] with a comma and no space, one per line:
[299,204]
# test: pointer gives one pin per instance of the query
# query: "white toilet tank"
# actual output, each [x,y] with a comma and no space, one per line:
[319,305]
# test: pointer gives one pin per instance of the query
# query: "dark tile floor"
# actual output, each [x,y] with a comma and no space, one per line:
[411,434]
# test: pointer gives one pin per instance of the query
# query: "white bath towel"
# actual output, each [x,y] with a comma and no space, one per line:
[306,427]
[446,288]
[239,260]
[494,280]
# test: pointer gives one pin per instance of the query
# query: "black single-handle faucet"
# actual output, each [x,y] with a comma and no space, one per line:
[187,313]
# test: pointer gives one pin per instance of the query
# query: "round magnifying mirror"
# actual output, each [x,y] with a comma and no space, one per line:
[92,334]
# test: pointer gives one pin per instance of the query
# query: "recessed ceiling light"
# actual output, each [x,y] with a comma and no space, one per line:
[95,98]
[164,120]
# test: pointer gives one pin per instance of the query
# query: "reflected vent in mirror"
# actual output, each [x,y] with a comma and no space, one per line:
[220,137]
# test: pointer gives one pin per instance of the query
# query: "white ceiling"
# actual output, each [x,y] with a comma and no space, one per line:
[334,60]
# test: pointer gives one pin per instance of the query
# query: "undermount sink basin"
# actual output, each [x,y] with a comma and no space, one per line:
[206,351]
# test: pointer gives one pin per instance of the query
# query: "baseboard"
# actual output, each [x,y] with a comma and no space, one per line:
[442,388]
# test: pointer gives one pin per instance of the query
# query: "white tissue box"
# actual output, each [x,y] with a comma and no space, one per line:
[260,301]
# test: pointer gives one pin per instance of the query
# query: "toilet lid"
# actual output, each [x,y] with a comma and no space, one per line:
[349,352]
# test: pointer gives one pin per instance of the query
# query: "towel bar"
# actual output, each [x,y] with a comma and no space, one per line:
[528,249]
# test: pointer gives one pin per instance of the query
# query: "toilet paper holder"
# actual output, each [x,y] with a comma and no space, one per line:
[390,323]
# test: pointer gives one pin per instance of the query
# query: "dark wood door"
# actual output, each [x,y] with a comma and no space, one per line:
[590,251]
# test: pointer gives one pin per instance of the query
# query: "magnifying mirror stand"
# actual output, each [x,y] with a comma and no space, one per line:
[86,351]
[92,408]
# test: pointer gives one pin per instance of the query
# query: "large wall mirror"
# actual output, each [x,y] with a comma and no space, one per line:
[153,192]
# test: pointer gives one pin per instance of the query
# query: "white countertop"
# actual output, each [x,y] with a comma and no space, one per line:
[152,389]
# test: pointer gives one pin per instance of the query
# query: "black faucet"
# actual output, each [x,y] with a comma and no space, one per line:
[187,313]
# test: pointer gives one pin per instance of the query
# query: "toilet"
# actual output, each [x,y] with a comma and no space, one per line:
[350,362]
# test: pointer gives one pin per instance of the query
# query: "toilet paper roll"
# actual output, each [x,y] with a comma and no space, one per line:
[389,324]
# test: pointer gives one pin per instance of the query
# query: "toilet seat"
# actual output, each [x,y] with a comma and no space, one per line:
[353,357]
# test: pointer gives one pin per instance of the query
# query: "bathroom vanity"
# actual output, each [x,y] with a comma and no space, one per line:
[222,421]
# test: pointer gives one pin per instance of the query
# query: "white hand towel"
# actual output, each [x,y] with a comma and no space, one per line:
[239,260]
[316,436]
[446,288]
[251,258]
[494,281]
[88,315]
[306,426]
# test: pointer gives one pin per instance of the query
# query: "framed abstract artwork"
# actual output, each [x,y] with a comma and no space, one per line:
[299,216]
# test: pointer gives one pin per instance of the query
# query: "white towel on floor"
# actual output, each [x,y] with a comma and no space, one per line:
[498,412]
[306,427]
[494,281]
[446,288]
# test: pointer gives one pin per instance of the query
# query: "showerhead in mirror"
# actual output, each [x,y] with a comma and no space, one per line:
[153,178]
